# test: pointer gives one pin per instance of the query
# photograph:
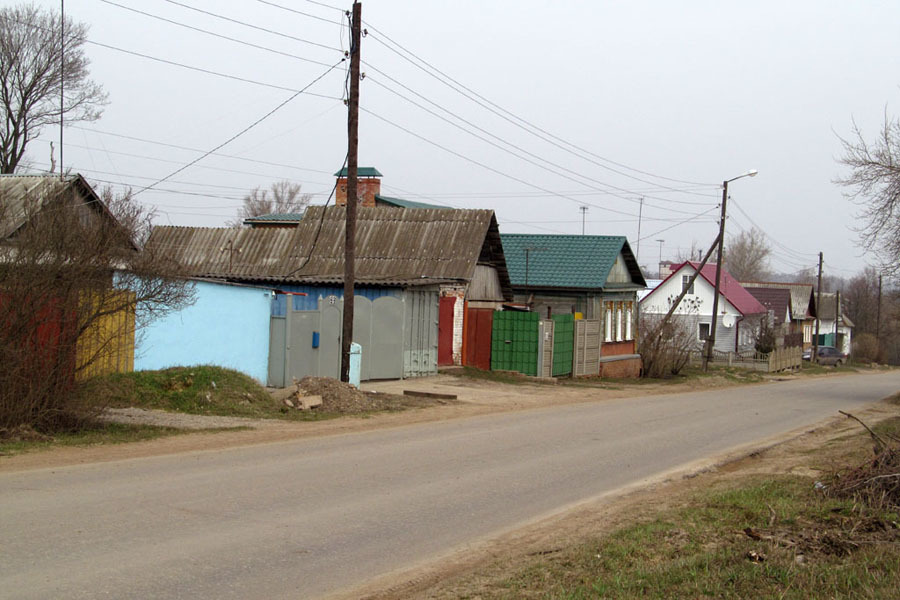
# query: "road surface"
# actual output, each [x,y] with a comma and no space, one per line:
[306,518]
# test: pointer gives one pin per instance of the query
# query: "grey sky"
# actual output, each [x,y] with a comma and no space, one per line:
[692,91]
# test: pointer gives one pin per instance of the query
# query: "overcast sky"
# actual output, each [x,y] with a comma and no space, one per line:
[565,104]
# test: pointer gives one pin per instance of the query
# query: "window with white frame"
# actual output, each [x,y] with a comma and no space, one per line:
[629,309]
[703,331]
[619,321]
[609,321]
[686,284]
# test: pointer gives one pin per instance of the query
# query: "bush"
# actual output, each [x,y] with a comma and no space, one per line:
[66,258]
[666,346]
[865,348]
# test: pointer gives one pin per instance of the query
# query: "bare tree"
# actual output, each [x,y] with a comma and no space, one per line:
[32,74]
[666,345]
[73,284]
[281,197]
[874,184]
[695,254]
[746,255]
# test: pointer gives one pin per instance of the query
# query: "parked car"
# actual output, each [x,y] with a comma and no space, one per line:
[828,355]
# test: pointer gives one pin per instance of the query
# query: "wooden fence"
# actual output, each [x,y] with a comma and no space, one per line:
[107,346]
[781,359]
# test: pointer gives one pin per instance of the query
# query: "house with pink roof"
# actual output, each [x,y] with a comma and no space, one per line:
[740,314]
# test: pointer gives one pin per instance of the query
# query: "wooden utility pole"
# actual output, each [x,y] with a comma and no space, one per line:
[815,353]
[637,252]
[352,184]
[878,315]
[62,82]
[711,342]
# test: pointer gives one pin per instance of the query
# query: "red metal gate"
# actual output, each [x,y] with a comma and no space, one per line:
[479,323]
[445,331]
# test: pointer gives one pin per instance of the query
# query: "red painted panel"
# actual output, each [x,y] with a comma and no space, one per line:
[479,323]
[445,331]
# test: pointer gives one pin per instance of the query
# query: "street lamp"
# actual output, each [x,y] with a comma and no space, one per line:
[712,328]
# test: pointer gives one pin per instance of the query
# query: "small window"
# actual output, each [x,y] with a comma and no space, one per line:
[619,322]
[609,322]
[628,311]
[685,280]
[704,331]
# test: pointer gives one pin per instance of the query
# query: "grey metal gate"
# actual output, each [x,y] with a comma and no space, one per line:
[398,338]
[587,348]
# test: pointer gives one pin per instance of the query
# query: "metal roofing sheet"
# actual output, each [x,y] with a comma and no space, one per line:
[565,261]
[405,247]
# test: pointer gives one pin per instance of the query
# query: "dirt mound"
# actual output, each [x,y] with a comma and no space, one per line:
[339,397]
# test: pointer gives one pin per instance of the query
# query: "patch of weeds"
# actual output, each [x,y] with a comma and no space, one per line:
[756,537]
[201,390]
[91,434]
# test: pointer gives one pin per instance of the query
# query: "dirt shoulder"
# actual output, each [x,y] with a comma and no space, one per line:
[474,397]
[480,570]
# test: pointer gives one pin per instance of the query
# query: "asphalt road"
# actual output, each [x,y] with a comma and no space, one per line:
[305,518]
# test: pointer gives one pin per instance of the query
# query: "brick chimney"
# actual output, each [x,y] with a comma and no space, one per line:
[369,184]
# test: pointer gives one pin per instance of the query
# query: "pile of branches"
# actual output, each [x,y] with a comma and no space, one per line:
[876,482]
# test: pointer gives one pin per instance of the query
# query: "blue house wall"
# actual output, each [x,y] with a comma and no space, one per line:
[228,326]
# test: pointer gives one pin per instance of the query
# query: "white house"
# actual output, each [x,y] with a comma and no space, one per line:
[740,314]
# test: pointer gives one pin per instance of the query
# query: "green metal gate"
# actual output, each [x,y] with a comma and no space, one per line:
[563,344]
[514,342]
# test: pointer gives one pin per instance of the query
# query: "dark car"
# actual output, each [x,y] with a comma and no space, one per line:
[828,355]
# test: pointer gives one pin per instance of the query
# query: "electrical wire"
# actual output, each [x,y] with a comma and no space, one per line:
[243,131]
[252,160]
[305,14]
[539,162]
[683,222]
[256,27]
[214,34]
[202,70]
[515,120]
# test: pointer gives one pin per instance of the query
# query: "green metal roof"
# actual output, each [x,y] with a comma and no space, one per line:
[360,172]
[566,261]
[401,203]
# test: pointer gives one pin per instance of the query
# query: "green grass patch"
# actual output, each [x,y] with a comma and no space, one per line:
[800,545]
[92,434]
[198,390]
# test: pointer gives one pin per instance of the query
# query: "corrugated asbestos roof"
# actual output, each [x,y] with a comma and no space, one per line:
[566,261]
[803,301]
[393,247]
[827,309]
[17,192]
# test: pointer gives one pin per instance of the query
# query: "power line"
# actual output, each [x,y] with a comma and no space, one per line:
[683,222]
[487,167]
[258,28]
[243,131]
[305,14]
[540,162]
[252,160]
[325,5]
[214,34]
[202,70]
[176,162]
[516,120]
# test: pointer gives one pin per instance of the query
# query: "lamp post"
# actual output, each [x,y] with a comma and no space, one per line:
[712,328]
